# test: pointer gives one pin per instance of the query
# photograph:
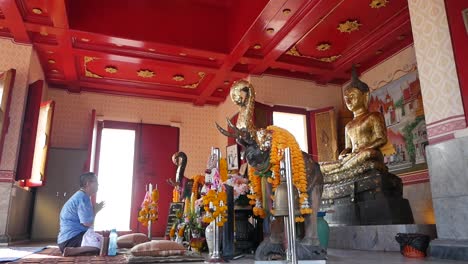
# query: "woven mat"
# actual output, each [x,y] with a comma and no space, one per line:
[188,257]
[53,255]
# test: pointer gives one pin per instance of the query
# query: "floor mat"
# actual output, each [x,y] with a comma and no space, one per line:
[15,253]
[188,257]
[53,255]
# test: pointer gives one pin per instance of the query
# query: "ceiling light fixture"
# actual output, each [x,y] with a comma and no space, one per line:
[286,11]
[111,69]
[183,54]
[178,77]
[257,46]
[84,39]
[51,61]
[270,30]
[145,73]
[37,11]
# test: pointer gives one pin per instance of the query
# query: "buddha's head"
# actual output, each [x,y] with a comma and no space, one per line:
[356,95]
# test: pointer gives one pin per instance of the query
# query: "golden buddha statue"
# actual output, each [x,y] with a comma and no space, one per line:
[364,137]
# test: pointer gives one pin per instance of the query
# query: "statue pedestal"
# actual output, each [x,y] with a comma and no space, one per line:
[374,198]
[374,237]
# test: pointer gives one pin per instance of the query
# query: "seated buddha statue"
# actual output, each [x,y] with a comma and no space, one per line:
[364,136]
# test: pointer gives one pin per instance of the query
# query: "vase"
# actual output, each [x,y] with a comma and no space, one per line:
[323,230]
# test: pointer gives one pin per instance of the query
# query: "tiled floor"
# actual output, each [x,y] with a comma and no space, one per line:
[339,256]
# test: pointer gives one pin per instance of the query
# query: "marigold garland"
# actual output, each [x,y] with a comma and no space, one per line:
[223,171]
[197,181]
[281,139]
[149,208]
[215,205]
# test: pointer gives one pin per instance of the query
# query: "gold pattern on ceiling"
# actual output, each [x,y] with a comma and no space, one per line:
[293,51]
[88,73]
[144,73]
[178,77]
[111,69]
[378,3]
[349,26]
[195,85]
[323,46]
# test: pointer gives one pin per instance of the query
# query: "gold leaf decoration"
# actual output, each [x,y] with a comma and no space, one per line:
[349,26]
[111,69]
[329,59]
[88,73]
[294,52]
[195,85]
[323,46]
[178,77]
[378,3]
[144,73]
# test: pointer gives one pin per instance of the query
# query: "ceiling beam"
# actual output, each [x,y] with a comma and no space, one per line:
[60,20]
[267,14]
[14,21]
[312,13]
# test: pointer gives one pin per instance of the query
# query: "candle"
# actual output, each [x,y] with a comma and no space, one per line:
[192,203]
[186,207]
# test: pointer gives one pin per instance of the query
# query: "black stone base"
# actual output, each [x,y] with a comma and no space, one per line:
[449,249]
[374,199]
[381,211]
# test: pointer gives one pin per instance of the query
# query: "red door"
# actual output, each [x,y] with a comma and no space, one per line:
[153,164]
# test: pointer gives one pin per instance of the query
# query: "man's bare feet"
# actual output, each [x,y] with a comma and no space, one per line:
[76,251]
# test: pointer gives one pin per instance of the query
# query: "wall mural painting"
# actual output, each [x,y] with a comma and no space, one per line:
[401,104]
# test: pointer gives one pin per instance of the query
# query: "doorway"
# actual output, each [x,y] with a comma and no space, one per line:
[116,167]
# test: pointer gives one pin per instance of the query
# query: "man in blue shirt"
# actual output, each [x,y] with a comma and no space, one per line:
[77,216]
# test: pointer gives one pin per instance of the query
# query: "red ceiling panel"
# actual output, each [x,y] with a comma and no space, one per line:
[192,50]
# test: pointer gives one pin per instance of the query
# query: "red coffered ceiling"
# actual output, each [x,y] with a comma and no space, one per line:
[192,50]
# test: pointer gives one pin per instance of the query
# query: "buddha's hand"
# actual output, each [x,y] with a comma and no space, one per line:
[344,153]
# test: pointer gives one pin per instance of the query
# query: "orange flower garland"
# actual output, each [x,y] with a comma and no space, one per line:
[149,209]
[223,171]
[197,181]
[255,195]
[282,139]
[215,205]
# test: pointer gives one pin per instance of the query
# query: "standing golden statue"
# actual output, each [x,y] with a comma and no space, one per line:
[364,136]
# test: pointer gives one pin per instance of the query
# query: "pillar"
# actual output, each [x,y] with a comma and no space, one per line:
[446,126]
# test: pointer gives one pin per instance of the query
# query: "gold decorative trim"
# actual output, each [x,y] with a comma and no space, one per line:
[349,26]
[145,73]
[195,85]
[378,3]
[178,77]
[295,52]
[111,69]
[323,46]
[88,73]
[329,59]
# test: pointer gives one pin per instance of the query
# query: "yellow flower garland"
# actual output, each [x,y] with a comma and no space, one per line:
[149,211]
[223,171]
[215,205]
[281,139]
[197,180]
